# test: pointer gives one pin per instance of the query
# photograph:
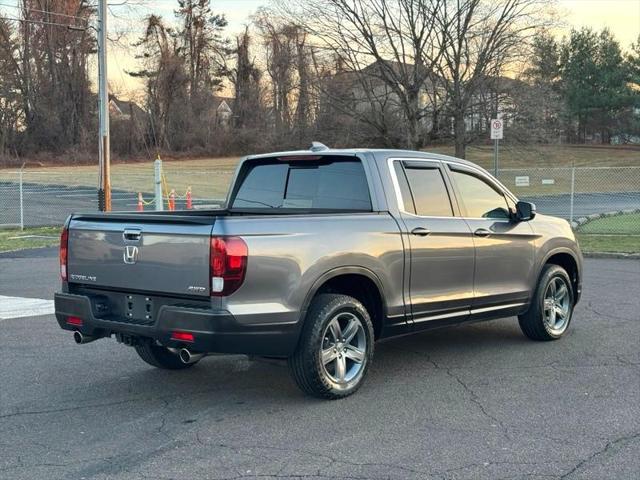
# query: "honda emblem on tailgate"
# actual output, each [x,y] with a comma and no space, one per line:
[130,254]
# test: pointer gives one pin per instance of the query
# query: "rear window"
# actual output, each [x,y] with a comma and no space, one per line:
[305,185]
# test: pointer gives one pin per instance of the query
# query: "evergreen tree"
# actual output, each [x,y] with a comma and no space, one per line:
[595,83]
[545,62]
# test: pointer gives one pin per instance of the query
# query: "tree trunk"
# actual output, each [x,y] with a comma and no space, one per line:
[413,120]
[413,141]
[459,134]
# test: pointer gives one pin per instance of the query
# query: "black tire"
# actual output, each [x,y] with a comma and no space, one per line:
[533,322]
[306,365]
[160,357]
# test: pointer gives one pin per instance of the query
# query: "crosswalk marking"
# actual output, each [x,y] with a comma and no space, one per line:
[17,307]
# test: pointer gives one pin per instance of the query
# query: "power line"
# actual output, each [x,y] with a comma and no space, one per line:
[46,12]
[85,19]
[42,22]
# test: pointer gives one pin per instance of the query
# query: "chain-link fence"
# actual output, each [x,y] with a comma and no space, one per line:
[598,200]
[33,198]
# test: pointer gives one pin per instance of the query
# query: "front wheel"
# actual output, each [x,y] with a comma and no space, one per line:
[335,348]
[551,307]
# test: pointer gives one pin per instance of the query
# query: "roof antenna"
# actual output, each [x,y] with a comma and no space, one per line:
[318,147]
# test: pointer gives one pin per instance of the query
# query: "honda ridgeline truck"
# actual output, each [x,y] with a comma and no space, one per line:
[315,256]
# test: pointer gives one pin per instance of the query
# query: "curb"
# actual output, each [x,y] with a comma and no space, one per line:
[618,255]
[579,222]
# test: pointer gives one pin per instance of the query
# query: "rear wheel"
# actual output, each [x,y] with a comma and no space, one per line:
[551,309]
[335,348]
[160,357]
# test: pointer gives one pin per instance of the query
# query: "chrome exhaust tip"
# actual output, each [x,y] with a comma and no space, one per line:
[187,357]
[80,339]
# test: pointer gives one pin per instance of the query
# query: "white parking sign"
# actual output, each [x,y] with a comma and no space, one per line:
[496,129]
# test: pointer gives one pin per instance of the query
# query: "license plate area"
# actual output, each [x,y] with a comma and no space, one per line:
[138,308]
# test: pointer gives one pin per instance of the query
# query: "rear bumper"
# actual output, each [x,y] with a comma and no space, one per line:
[213,331]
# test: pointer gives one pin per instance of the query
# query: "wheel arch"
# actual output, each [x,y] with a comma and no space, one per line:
[567,259]
[358,282]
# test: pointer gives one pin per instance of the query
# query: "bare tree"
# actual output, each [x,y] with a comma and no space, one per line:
[425,52]
[183,67]
[303,114]
[10,105]
[166,83]
[246,81]
[480,38]
[202,45]
[46,58]
[396,39]
[279,39]
[356,95]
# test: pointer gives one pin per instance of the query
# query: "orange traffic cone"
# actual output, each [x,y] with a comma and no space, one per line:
[140,203]
[189,199]
[172,200]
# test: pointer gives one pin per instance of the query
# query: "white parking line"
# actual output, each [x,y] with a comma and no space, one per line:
[17,307]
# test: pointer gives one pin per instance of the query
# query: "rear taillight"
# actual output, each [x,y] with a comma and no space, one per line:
[64,248]
[76,321]
[182,336]
[228,264]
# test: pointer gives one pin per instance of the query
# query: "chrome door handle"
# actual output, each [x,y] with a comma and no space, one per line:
[420,232]
[482,232]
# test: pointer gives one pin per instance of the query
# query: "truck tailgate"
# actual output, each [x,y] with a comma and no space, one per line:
[153,255]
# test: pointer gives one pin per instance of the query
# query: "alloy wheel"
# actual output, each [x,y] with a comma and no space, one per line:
[344,350]
[557,306]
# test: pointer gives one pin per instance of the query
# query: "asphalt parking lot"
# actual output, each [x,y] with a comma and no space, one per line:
[472,402]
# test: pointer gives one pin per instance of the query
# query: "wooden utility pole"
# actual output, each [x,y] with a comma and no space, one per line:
[104,159]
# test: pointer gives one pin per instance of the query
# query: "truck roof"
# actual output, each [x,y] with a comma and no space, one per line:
[377,152]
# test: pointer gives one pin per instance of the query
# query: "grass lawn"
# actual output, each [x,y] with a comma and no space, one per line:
[627,224]
[609,243]
[618,233]
[209,178]
[16,239]
[547,156]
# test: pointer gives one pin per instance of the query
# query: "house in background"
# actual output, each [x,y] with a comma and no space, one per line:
[126,110]
[222,112]
[496,98]
[129,125]
[369,94]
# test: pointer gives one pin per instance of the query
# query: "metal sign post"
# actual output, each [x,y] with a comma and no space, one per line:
[157,168]
[496,135]
[573,189]
[21,199]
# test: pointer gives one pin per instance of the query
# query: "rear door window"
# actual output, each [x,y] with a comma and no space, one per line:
[306,185]
[429,192]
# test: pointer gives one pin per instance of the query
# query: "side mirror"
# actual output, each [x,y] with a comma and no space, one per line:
[525,211]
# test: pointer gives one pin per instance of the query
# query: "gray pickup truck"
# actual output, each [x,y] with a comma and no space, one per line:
[316,255]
